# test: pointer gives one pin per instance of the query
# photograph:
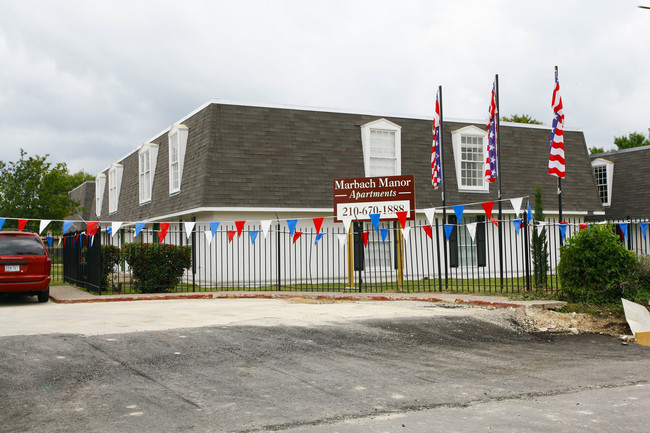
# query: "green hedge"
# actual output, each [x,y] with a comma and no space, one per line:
[157,267]
[596,267]
[110,258]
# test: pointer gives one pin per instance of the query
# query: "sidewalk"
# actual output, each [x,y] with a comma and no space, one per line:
[69,295]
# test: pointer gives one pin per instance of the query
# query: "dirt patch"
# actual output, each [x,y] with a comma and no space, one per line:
[577,323]
[319,300]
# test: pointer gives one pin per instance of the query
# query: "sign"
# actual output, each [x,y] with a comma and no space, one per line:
[357,198]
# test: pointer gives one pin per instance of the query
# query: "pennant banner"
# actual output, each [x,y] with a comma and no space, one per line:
[427,230]
[44,224]
[562,230]
[296,236]
[430,213]
[253,234]
[487,207]
[471,228]
[623,227]
[138,228]
[318,223]
[644,228]
[115,227]
[448,229]
[405,233]
[231,235]
[374,217]
[292,226]
[214,226]
[2,222]
[401,216]
[189,228]
[458,210]
[164,227]
[208,236]
[530,214]
[516,205]
[266,225]
[319,236]
[364,236]
[240,227]
[21,224]
[342,240]
[517,224]
[347,222]
[384,233]
[67,225]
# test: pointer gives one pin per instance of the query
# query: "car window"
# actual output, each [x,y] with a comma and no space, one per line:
[21,246]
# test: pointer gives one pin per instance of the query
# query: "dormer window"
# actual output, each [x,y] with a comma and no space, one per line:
[147,157]
[470,144]
[100,187]
[382,148]
[177,146]
[603,175]
[114,186]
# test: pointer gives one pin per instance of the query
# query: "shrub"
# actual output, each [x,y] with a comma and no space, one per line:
[110,258]
[595,267]
[157,267]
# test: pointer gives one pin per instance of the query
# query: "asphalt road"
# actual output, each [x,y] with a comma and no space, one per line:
[273,365]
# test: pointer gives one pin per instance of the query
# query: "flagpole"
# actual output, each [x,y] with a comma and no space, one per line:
[444,200]
[498,145]
[559,185]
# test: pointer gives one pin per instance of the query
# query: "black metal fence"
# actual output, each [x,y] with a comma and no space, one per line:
[475,256]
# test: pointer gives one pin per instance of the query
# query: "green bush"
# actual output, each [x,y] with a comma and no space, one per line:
[596,267]
[157,267]
[110,258]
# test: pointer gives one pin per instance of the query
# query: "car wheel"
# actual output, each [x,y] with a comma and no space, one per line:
[44,296]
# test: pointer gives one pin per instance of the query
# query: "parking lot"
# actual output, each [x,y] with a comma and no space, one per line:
[244,365]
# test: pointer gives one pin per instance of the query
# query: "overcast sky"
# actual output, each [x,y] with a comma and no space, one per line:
[89,81]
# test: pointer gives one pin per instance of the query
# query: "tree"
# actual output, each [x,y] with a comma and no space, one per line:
[634,139]
[538,245]
[34,188]
[595,150]
[521,118]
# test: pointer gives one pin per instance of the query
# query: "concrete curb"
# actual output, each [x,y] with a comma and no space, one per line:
[72,295]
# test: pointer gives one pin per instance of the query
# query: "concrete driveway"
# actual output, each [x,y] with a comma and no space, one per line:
[245,365]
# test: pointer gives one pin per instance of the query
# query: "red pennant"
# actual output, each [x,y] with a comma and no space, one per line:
[364,236]
[91,228]
[495,222]
[427,229]
[164,227]
[76,238]
[487,207]
[64,241]
[296,235]
[401,216]
[231,234]
[240,227]
[318,223]
[21,225]
[583,226]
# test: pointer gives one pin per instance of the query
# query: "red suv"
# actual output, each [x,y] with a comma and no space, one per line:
[24,265]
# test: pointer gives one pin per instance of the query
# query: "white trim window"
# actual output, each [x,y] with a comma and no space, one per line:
[469,145]
[114,186]
[603,176]
[382,148]
[100,187]
[147,157]
[177,137]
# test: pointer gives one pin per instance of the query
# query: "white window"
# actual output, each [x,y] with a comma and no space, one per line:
[603,175]
[178,134]
[382,148]
[100,187]
[114,185]
[470,151]
[147,157]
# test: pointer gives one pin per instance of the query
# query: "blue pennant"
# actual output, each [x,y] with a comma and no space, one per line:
[374,217]
[448,229]
[139,227]
[67,225]
[292,226]
[384,233]
[644,228]
[563,231]
[623,227]
[253,234]
[517,224]
[530,214]
[318,238]
[213,227]
[458,210]
[50,239]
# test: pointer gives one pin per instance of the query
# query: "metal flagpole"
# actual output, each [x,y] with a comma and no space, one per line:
[498,145]
[444,183]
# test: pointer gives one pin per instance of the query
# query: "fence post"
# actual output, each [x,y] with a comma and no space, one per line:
[193,254]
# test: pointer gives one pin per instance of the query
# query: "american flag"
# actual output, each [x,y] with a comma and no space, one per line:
[491,159]
[436,168]
[556,154]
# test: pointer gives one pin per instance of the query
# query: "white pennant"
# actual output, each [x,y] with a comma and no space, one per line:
[471,228]
[516,204]
[430,214]
[266,225]
[59,244]
[342,240]
[405,233]
[208,236]
[115,227]
[346,223]
[188,229]
[44,224]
